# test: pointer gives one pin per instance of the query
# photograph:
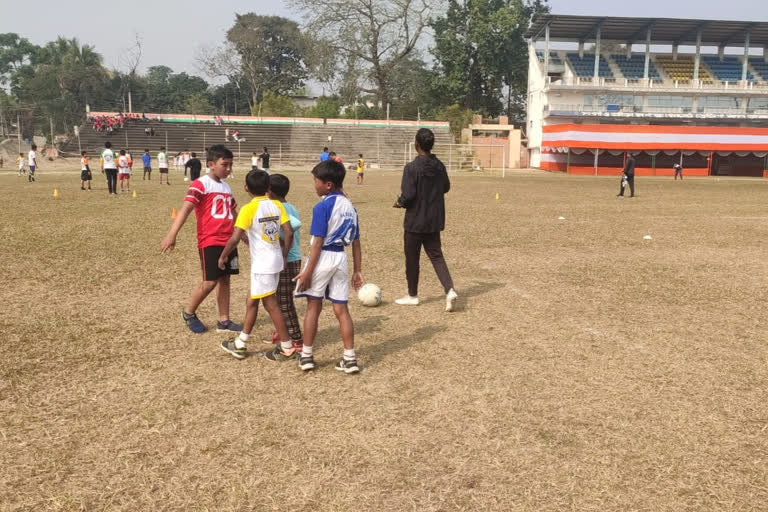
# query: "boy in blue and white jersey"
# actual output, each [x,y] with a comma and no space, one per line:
[326,274]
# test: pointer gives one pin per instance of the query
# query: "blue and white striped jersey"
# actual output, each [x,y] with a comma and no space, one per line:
[335,219]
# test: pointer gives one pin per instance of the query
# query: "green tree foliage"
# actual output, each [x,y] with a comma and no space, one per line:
[272,52]
[198,104]
[479,49]
[274,105]
[457,115]
[326,108]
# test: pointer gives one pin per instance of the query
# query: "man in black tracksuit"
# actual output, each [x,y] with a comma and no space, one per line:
[424,185]
[628,174]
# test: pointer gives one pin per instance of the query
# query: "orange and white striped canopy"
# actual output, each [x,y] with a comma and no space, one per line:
[633,137]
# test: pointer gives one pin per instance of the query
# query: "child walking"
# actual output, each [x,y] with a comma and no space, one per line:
[162,164]
[360,169]
[262,219]
[124,171]
[20,161]
[279,185]
[32,161]
[214,205]
[146,159]
[85,171]
[326,274]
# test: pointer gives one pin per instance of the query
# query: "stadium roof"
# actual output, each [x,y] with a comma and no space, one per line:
[663,30]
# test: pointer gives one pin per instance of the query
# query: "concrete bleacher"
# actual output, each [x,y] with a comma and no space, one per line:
[760,67]
[585,66]
[681,70]
[289,145]
[727,69]
[633,68]
[554,57]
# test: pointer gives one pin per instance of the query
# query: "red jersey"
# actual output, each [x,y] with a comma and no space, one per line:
[214,204]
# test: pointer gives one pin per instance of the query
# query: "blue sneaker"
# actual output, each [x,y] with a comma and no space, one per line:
[228,326]
[194,323]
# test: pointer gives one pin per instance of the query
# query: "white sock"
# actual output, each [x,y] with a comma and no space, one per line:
[349,354]
[241,340]
[286,345]
[306,351]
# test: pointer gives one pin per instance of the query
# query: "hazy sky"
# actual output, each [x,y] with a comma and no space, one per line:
[173,30]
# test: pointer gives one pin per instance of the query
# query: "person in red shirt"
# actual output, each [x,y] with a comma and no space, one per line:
[215,209]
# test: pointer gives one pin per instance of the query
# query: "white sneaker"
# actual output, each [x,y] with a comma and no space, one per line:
[186,179]
[407,301]
[450,300]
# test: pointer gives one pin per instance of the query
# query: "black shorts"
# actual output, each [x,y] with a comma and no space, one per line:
[209,261]
[85,174]
[163,170]
[147,169]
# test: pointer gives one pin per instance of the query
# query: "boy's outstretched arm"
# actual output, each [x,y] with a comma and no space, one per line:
[304,279]
[169,242]
[357,264]
[231,244]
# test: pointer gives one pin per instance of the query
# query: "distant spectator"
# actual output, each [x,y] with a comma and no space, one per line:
[628,176]
[264,157]
[194,166]
[325,156]
[678,171]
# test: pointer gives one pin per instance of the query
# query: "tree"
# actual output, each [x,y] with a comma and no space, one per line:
[274,105]
[272,53]
[458,116]
[225,62]
[326,108]
[479,48]
[198,104]
[16,53]
[378,34]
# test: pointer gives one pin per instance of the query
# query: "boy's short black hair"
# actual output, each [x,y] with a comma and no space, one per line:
[425,139]
[257,182]
[34,146]
[162,148]
[83,152]
[279,184]
[325,148]
[107,144]
[193,155]
[218,151]
[330,170]
[146,151]
[122,151]
[266,150]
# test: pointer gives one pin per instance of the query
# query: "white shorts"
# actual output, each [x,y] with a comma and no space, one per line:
[264,285]
[330,280]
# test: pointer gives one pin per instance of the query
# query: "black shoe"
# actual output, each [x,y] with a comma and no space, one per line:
[306,363]
[348,366]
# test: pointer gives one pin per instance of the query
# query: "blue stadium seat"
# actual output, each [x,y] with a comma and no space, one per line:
[585,66]
[726,70]
[634,67]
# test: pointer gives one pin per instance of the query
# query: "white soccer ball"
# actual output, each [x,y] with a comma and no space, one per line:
[369,295]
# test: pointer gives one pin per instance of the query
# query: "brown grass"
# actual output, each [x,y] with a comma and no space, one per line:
[586,368]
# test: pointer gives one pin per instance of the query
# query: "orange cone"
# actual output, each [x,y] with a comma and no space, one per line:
[173,213]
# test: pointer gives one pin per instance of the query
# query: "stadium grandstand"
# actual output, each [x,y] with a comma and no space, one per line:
[293,142]
[686,91]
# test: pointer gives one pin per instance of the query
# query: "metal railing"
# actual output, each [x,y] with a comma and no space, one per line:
[642,111]
[642,83]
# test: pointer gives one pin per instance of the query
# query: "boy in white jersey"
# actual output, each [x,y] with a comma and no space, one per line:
[32,160]
[124,171]
[162,164]
[109,167]
[326,274]
[262,220]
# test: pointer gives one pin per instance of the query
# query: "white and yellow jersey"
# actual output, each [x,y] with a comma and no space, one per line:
[261,219]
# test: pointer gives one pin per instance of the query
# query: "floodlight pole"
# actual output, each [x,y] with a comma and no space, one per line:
[546,50]
[597,54]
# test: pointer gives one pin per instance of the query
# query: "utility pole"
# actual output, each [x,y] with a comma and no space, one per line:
[130,103]
[53,141]
[18,129]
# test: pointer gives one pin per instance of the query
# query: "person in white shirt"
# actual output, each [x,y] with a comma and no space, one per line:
[162,164]
[124,173]
[32,159]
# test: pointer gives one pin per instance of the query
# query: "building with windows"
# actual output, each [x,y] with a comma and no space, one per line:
[668,90]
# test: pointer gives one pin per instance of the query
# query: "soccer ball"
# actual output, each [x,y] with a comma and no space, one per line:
[369,295]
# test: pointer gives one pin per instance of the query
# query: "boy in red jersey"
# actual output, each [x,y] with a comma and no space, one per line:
[215,208]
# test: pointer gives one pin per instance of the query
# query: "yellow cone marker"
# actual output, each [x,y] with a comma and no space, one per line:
[55,193]
[173,213]
[497,196]
[134,193]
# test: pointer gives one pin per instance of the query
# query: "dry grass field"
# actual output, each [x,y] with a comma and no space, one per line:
[585,369]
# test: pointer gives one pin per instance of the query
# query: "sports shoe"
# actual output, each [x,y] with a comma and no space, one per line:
[407,301]
[194,323]
[273,338]
[281,355]
[228,326]
[348,366]
[306,363]
[297,345]
[229,347]
[450,300]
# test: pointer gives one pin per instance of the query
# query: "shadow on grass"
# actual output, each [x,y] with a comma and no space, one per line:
[367,325]
[380,351]
[473,290]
